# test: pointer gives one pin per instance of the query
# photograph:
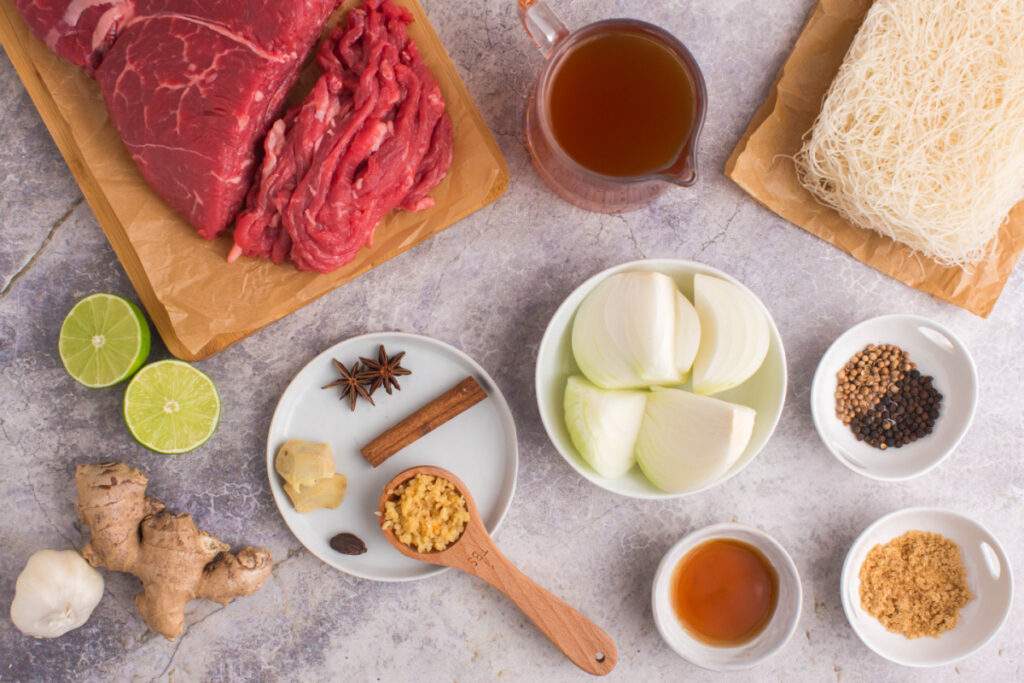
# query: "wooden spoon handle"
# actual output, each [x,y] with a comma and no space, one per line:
[586,645]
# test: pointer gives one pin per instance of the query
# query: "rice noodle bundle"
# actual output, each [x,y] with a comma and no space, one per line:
[921,135]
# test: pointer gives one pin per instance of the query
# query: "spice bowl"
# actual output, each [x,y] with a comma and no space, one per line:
[989,578]
[770,640]
[938,353]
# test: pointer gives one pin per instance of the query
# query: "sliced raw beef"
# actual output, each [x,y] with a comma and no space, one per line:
[80,31]
[371,136]
[192,86]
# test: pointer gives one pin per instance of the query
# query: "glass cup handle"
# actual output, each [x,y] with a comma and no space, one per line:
[543,25]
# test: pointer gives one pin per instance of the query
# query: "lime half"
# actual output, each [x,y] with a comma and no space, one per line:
[171,407]
[104,340]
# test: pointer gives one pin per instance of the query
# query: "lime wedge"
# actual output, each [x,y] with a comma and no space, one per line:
[171,407]
[104,340]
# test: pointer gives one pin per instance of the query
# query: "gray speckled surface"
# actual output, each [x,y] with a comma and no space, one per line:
[487,285]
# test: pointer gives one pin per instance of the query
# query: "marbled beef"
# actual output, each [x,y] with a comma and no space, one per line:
[80,31]
[191,85]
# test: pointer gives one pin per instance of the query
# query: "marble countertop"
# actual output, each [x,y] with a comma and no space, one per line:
[488,285]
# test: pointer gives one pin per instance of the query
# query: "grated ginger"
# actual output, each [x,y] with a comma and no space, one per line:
[426,513]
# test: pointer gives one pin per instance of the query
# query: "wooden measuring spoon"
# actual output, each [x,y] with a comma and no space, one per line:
[586,645]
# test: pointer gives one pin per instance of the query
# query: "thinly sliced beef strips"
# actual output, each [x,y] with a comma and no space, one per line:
[371,136]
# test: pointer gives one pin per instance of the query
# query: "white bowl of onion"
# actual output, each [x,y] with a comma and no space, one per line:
[681,441]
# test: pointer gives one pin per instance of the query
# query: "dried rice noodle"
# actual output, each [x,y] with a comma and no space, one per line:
[921,135]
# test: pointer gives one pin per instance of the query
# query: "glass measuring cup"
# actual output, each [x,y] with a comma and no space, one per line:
[568,178]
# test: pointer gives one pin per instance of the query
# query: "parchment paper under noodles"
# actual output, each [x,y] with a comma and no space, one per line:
[762,165]
[199,303]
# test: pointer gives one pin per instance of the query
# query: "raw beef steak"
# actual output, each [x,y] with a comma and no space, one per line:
[80,31]
[192,86]
[371,136]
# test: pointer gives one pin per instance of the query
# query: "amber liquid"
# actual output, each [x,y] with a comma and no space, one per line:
[724,592]
[622,104]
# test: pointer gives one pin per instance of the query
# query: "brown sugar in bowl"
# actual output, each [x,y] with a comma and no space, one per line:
[989,579]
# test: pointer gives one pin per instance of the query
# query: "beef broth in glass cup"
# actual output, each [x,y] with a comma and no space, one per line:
[614,117]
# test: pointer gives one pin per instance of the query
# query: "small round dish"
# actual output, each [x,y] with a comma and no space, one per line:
[989,578]
[479,446]
[937,352]
[766,643]
[765,392]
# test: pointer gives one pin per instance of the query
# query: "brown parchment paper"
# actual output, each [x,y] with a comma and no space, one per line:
[761,164]
[198,302]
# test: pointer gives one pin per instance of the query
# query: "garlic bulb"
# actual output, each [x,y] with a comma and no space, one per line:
[55,593]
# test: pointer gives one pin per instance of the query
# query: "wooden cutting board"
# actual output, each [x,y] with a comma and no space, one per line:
[198,302]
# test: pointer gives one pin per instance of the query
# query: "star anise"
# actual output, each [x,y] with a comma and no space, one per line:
[352,383]
[384,372]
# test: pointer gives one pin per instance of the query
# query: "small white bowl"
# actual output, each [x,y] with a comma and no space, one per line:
[765,392]
[768,642]
[989,578]
[937,352]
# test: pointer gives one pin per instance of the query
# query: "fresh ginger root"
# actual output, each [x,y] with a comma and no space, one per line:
[174,560]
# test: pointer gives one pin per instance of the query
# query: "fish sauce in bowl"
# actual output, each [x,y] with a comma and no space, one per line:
[724,592]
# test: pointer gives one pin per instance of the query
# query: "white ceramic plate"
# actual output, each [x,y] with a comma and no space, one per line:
[768,642]
[988,575]
[479,446]
[937,352]
[765,392]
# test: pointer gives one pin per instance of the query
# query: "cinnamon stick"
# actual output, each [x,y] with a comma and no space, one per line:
[451,403]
